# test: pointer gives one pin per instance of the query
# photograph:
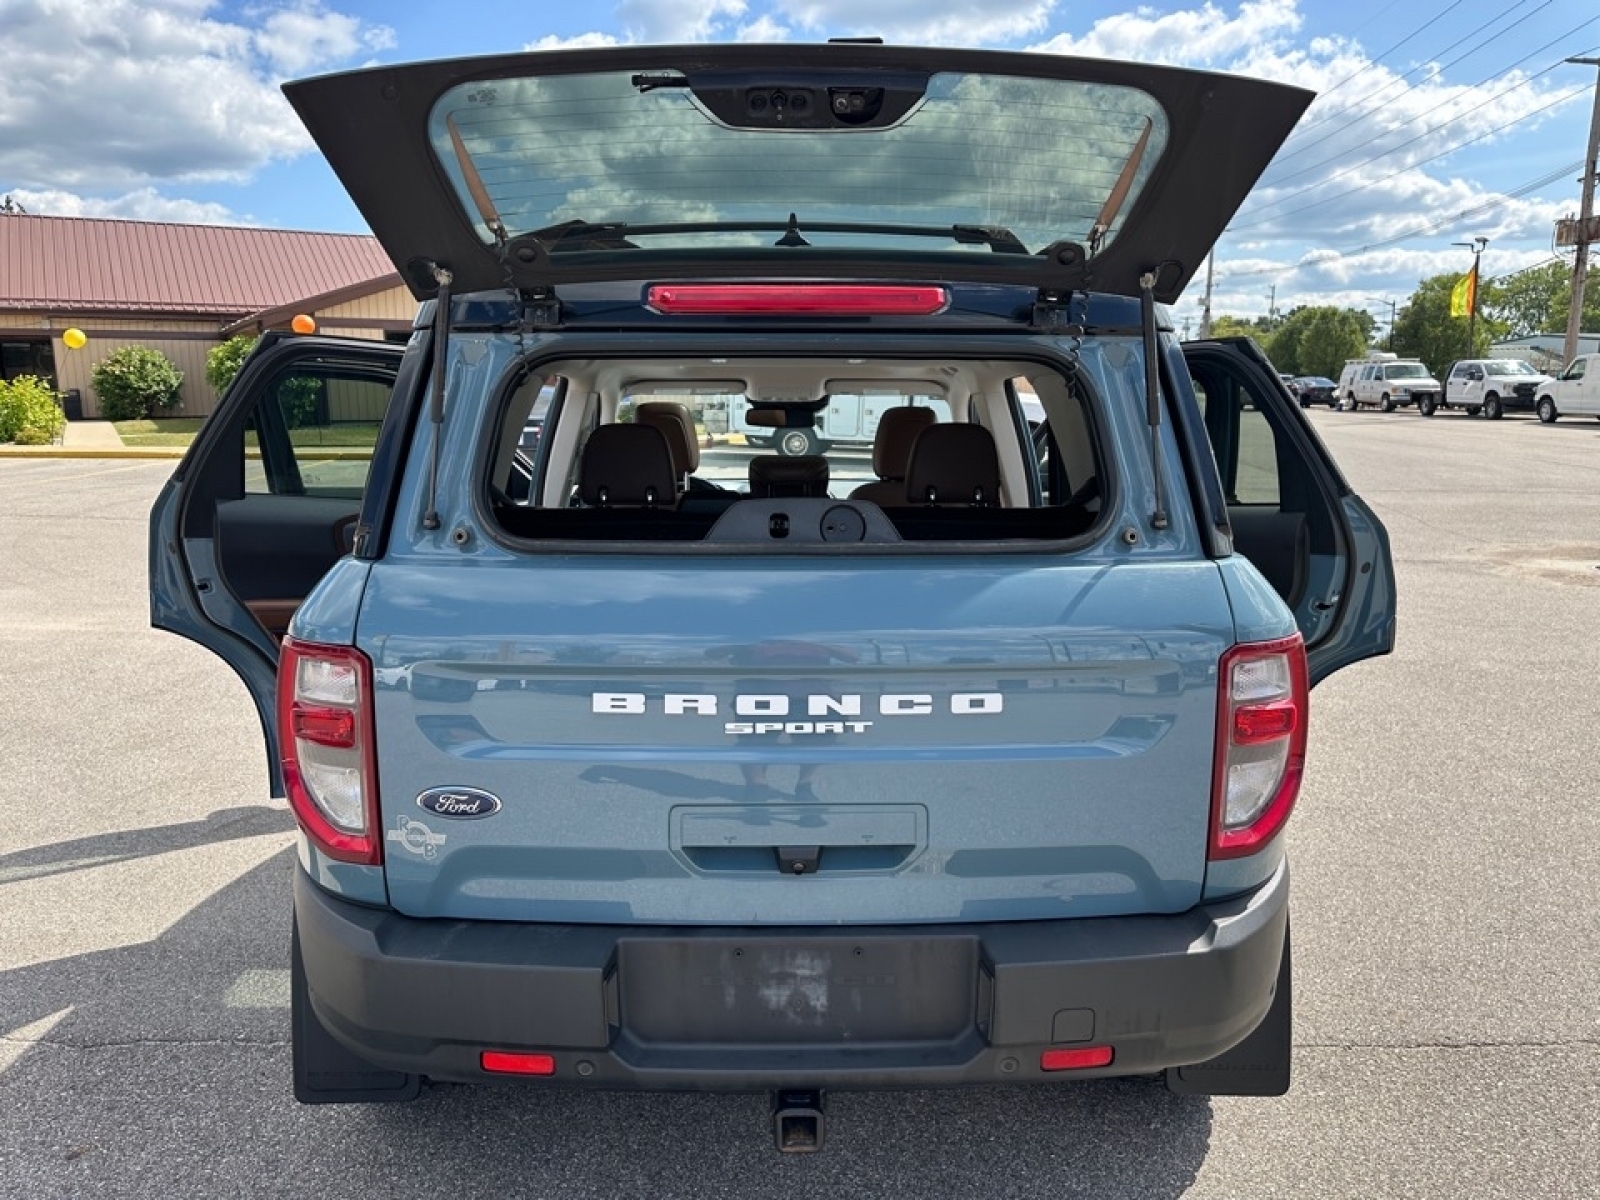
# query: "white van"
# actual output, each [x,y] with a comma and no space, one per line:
[1387,381]
[1575,392]
[846,418]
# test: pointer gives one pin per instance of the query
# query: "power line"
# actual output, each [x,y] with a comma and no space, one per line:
[1362,101]
[1445,153]
[1401,79]
[1500,201]
[1376,59]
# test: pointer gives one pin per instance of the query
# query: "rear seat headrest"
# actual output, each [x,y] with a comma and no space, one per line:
[627,466]
[773,475]
[954,464]
[672,417]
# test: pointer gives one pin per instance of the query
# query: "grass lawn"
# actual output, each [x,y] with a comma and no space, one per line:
[180,431]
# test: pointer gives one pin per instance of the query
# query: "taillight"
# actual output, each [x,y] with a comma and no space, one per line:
[325,735]
[1261,743]
[797,299]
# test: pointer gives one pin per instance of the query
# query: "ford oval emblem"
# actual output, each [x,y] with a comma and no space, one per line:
[459,803]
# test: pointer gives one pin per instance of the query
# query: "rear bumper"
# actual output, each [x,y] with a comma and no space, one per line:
[731,1009]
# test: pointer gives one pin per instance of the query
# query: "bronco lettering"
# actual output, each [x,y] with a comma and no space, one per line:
[772,705]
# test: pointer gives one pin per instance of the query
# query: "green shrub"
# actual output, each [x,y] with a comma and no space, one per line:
[136,382]
[223,362]
[29,414]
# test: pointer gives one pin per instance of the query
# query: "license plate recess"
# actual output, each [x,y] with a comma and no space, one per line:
[798,990]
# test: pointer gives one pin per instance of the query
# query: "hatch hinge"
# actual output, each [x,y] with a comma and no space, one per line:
[541,309]
[1053,312]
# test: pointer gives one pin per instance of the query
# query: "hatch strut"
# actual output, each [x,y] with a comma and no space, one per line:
[475,186]
[1119,192]
[1152,392]
[441,351]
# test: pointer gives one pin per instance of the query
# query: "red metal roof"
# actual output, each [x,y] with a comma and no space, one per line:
[84,264]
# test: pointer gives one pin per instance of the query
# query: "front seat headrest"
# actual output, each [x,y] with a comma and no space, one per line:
[627,465]
[672,417]
[774,475]
[954,464]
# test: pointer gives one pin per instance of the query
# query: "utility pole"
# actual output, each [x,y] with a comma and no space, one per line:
[1272,303]
[1580,268]
[1390,304]
[1205,308]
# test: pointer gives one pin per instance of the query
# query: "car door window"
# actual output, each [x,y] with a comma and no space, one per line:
[312,429]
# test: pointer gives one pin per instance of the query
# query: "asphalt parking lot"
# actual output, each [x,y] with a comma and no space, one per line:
[1447,908]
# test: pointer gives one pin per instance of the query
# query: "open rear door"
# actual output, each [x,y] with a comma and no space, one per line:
[267,500]
[1292,513]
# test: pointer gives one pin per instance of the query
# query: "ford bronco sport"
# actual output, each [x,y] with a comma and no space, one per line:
[625,760]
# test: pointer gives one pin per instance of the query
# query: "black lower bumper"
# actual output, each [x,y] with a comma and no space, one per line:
[752,1009]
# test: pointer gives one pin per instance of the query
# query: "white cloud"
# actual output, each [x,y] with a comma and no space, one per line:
[117,94]
[1193,37]
[295,40]
[924,22]
[678,20]
[582,41]
[765,28]
[144,204]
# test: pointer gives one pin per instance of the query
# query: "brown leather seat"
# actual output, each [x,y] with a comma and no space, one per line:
[891,454]
[954,464]
[627,466]
[672,417]
[775,475]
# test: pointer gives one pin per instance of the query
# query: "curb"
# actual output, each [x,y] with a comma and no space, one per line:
[153,452]
[159,452]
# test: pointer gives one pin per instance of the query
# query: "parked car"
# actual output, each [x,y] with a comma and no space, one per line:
[1315,389]
[778,787]
[1491,386]
[1575,392]
[1386,381]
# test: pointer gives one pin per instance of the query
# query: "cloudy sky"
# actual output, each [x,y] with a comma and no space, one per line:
[1436,122]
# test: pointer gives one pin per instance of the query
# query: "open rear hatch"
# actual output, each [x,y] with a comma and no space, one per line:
[796,161]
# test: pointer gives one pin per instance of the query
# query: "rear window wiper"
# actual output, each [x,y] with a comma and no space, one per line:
[612,235]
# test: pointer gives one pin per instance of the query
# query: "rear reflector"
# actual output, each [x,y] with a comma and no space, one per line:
[814,299]
[504,1062]
[1079,1058]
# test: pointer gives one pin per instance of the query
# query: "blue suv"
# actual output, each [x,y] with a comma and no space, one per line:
[647,753]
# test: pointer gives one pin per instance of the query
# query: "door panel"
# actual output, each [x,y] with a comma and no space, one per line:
[266,501]
[1292,514]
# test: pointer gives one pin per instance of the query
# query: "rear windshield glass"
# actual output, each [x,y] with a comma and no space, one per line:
[980,163]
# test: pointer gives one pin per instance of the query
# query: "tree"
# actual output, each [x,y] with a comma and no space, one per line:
[1425,329]
[1329,337]
[1225,326]
[1317,340]
[223,361]
[29,414]
[136,382]
[1537,300]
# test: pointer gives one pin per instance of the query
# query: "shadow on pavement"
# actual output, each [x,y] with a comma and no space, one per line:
[224,825]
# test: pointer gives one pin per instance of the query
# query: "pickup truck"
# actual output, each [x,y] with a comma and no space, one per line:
[623,761]
[1575,392]
[1490,386]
